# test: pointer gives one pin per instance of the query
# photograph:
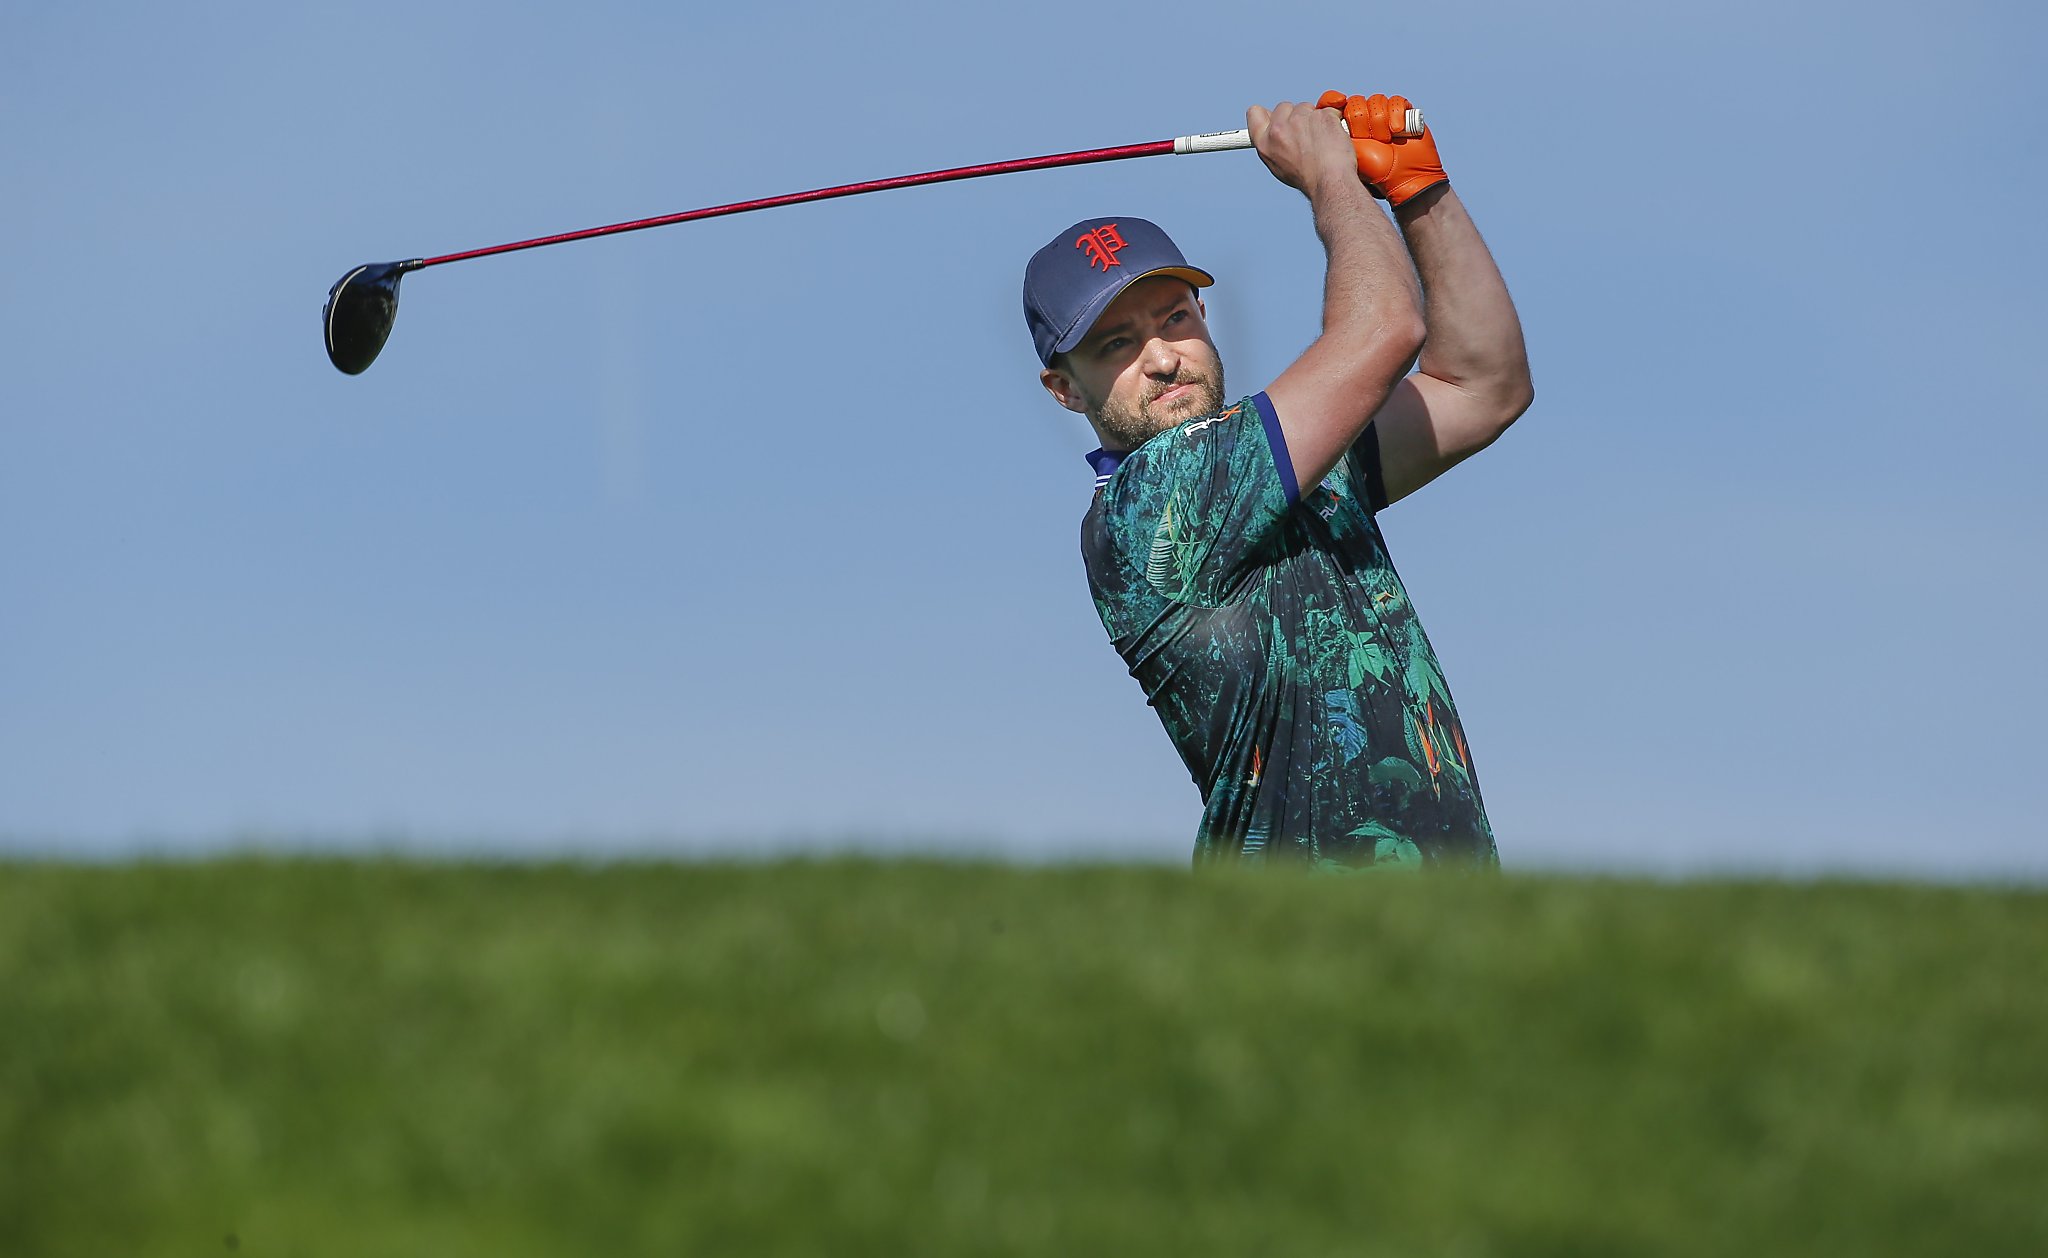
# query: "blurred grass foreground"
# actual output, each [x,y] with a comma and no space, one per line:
[378,1057]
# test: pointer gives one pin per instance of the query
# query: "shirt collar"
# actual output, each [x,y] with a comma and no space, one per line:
[1105,463]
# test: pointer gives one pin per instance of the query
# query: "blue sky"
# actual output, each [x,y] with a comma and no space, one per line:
[759,533]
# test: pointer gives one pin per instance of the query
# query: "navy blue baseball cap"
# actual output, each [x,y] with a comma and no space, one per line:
[1071,281]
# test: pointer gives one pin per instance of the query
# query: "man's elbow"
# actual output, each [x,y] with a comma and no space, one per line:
[1399,343]
[1518,398]
[1511,399]
[1500,406]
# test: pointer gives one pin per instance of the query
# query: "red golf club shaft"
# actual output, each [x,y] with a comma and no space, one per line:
[1155,148]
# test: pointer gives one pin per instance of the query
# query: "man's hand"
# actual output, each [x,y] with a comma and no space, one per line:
[1394,166]
[1300,147]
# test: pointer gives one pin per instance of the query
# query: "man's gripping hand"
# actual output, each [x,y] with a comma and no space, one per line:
[1300,147]
[1393,165]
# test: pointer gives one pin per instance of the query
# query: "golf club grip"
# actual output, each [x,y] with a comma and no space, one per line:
[1212,142]
[1221,141]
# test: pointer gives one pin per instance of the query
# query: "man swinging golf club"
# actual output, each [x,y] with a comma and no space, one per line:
[1232,549]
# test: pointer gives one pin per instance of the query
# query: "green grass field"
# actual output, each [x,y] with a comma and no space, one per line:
[889,1057]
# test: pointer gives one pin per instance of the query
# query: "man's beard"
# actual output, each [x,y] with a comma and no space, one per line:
[1128,429]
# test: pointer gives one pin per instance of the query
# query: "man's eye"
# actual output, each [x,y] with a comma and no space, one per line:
[1176,317]
[1114,344]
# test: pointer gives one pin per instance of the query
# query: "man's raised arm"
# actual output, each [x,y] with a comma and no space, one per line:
[1372,308]
[1472,379]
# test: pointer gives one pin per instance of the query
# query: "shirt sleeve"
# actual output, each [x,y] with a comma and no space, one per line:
[1193,508]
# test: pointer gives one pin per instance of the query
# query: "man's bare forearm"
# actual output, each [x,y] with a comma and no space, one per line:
[1370,285]
[1474,337]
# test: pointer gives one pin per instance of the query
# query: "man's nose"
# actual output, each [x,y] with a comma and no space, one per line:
[1161,358]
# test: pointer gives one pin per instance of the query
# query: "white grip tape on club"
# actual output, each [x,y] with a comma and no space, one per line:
[1212,142]
[1219,141]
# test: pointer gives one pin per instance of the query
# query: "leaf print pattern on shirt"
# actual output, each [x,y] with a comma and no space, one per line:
[1280,651]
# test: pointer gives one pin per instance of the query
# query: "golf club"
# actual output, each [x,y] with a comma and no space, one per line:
[363,303]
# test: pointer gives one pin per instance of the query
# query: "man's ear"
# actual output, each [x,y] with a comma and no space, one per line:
[1062,389]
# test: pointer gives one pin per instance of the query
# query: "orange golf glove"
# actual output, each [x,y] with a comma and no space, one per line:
[1394,166]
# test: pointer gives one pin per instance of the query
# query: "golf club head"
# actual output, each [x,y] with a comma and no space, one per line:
[360,308]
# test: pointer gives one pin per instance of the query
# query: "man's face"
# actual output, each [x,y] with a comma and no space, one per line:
[1146,365]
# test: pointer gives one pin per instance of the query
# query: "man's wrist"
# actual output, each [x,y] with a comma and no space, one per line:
[1419,204]
[1339,189]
